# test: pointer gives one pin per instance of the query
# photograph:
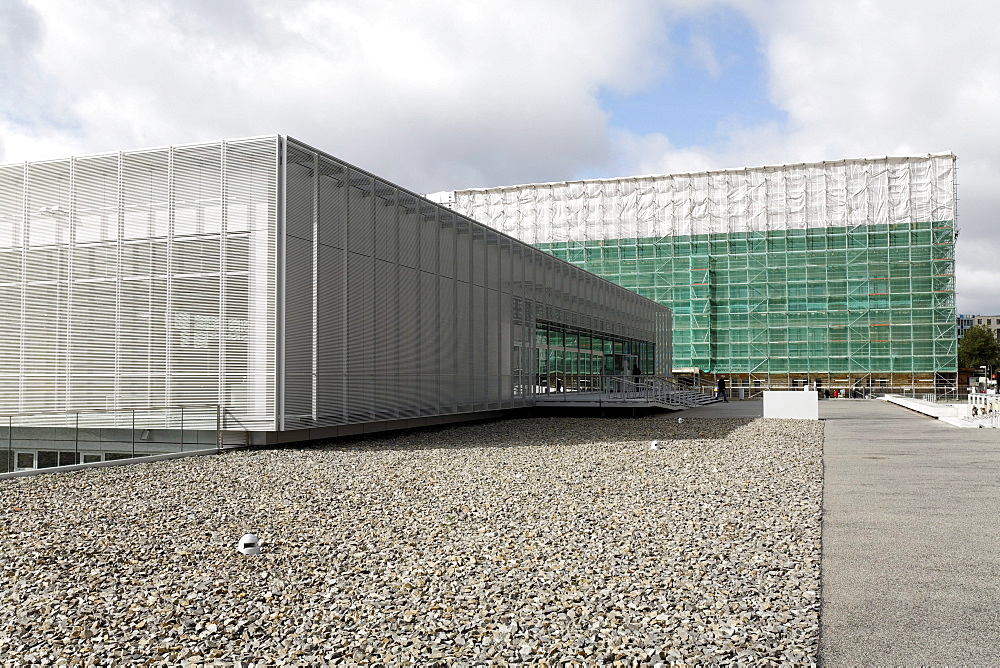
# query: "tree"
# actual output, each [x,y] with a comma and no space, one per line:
[978,347]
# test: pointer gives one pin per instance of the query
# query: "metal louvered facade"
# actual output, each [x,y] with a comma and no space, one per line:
[142,278]
[291,288]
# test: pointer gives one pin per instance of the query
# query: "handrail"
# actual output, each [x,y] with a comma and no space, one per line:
[624,388]
[990,419]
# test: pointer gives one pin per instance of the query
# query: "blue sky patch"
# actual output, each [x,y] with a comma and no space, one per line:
[716,74]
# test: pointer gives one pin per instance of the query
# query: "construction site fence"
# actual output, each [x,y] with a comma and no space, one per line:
[836,392]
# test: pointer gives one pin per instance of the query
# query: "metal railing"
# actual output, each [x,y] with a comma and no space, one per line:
[991,420]
[46,439]
[987,409]
[841,391]
[621,389]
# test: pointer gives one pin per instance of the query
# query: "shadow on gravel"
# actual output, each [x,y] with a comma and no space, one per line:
[531,432]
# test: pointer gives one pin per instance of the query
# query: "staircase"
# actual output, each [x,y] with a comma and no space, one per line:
[671,395]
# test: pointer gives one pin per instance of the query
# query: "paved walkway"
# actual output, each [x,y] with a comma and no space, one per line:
[911,539]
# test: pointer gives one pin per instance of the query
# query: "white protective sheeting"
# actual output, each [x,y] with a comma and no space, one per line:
[848,193]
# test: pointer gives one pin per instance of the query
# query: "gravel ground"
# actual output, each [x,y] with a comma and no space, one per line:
[541,542]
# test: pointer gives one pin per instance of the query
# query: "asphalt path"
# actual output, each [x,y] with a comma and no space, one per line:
[911,539]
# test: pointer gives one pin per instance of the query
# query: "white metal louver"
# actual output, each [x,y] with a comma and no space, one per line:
[143,278]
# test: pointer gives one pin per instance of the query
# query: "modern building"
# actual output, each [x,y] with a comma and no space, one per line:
[981,378]
[963,323]
[270,286]
[990,322]
[839,274]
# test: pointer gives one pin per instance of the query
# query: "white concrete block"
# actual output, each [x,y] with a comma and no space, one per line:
[793,405]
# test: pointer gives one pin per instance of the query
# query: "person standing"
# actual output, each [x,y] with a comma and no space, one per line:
[721,390]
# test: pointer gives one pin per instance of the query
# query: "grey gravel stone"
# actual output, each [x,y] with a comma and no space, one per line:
[544,542]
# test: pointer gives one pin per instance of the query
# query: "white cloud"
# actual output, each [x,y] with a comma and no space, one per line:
[704,54]
[431,94]
[977,284]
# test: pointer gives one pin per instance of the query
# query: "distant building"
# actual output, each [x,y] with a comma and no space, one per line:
[990,322]
[835,273]
[964,322]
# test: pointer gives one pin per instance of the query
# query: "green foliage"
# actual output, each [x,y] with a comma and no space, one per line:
[978,347]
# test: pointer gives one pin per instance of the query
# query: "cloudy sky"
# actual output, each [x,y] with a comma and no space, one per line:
[439,95]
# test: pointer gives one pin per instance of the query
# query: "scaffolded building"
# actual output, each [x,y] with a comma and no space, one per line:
[295,295]
[836,273]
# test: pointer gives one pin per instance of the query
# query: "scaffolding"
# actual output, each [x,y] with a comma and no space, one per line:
[838,274]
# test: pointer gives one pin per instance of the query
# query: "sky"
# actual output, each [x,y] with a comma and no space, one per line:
[443,95]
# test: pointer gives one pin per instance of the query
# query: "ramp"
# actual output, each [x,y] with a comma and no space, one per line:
[649,392]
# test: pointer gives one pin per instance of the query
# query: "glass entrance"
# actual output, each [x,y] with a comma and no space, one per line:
[568,369]
[576,360]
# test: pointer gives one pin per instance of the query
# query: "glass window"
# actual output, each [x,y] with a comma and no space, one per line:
[555,338]
[541,336]
[556,361]
[47,459]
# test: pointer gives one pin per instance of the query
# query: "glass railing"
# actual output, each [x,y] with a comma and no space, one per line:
[30,441]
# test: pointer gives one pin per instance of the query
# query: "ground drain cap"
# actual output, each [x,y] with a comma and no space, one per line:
[249,544]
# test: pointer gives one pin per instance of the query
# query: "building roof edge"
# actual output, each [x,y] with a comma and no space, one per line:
[729,170]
